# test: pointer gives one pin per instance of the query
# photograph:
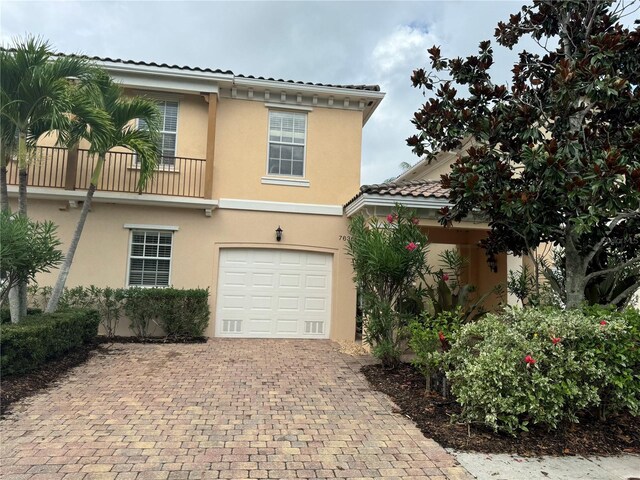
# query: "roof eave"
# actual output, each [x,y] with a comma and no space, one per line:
[366,200]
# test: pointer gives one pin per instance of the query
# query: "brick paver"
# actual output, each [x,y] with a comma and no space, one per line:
[225,409]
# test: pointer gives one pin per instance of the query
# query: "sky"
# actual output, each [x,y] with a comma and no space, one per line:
[321,42]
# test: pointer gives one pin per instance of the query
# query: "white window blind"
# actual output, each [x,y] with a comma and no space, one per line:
[150,258]
[287,136]
[168,131]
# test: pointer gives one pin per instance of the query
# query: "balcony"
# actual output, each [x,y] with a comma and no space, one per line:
[57,168]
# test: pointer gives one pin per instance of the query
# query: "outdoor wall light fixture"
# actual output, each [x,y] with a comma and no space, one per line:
[278,233]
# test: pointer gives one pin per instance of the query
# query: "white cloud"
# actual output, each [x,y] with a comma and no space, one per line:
[402,49]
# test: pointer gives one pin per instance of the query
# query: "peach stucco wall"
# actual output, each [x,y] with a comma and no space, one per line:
[333,152]
[101,258]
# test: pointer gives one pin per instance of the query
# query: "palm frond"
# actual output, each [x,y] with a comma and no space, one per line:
[144,144]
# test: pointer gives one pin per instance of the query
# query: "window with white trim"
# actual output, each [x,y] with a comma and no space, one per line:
[287,138]
[168,132]
[150,258]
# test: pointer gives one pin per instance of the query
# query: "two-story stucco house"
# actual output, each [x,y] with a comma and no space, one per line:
[248,199]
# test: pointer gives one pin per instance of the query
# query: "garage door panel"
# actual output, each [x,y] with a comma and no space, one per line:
[316,281]
[286,326]
[262,280]
[235,279]
[318,260]
[288,280]
[260,302]
[234,302]
[289,304]
[291,259]
[260,325]
[266,293]
[312,304]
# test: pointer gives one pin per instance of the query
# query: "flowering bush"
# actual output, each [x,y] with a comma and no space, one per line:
[545,366]
[387,257]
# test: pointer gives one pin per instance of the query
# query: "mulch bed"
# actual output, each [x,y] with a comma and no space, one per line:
[154,340]
[432,414]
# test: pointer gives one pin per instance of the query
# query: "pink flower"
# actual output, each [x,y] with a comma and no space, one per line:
[556,340]
[390,218]
[603,322]
[529,360]
[415,221]
[445,277]
[411,247]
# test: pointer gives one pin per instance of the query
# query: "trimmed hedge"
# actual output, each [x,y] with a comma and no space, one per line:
[181,313]
[5,314]
[43,337]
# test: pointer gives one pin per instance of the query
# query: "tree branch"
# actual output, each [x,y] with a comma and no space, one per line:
[612,225]
[626,293]
[617,268]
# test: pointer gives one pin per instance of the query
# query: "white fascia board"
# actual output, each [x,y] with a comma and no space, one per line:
[301,87]
[375,200]
[157,78]
[281,207]
[141,226]
[45,193]
[368,110]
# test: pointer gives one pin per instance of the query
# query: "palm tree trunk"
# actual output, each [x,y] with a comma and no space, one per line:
[52,306]
[22,208]
[56,293]
[18,294]
[4,191]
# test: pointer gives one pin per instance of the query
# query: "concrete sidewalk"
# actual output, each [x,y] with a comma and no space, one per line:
[512,467]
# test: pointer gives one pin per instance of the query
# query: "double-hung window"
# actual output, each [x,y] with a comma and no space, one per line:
[287,138]
[150,258]
[168,132]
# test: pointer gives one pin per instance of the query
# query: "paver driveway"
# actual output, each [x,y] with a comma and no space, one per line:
[225,409]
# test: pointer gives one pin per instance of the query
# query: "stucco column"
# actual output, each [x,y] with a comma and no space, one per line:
[72,167]
[211,145]
[513,264]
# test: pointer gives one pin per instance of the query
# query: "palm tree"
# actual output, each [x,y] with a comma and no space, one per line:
[34,99]
[126,115]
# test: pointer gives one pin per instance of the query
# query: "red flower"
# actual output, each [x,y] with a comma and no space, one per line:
[529,360]
[415,221]
[443,341]
[556,340]
[445,277]
[603,322]
[390,218]
[411,247]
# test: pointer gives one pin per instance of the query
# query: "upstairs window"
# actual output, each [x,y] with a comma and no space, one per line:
[287,137]
[150,258]
[168,132]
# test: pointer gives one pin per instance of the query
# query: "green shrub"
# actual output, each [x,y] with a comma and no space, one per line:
[544,366]
[5,314]
[182,314]
[43,337]
[430,337]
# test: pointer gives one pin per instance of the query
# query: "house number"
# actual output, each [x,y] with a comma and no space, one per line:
[345,237]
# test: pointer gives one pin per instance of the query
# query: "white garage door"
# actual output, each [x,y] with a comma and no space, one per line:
[273,294]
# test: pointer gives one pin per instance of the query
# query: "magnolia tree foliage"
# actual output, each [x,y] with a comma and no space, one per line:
[556,152]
